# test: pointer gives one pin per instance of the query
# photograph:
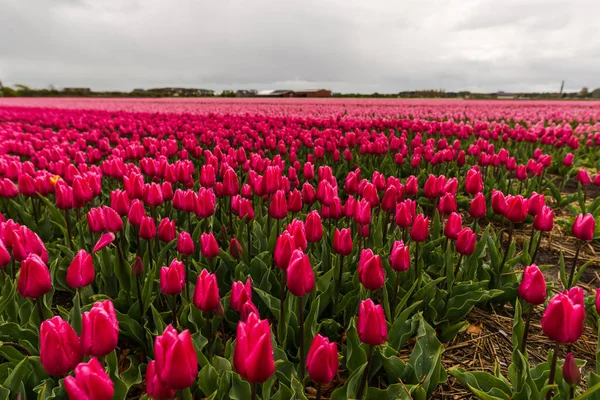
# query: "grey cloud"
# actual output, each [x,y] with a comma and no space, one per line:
[356,46]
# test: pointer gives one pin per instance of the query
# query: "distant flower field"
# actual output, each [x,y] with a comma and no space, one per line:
[294,248]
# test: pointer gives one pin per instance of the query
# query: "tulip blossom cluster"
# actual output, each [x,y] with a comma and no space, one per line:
[294,244]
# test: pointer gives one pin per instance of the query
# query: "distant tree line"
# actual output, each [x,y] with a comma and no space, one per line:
[25,91]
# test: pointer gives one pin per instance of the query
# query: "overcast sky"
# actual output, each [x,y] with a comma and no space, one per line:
[345,45]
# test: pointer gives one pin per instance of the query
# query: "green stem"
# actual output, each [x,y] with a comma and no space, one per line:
[174,311]
[280,325]
[531,238]
[510,236]
[457,268]
[253,396]
[527,323]
[38,303]
[537,247]
[301,318]
[364,380]
[574,264]
[552,371]
[187,279]
[319,389]
[139,295]
[394,299]
[69,232]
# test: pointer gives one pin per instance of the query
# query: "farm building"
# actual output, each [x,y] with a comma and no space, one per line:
[276,93]
[295,93]
[313,93]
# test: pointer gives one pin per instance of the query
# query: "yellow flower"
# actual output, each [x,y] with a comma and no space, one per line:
[54,179]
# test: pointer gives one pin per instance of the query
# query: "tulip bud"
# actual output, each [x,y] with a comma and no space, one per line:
[91,382]
[400,257]
[499,205]
[363,212]
[598,301]
[370,271]
[295,201]
[231,185]
[584,226]
[81,271]
[420,228]
[247,309]
[147,228]
[300,275]
[136,212]
[185,244]
[112,220]
[568,160]
[465,242]
[240,294]
[536,202]
[322,361]
[313,227]
[478,207]
[99,329]
[208,245]
[308,194]
[284,246]
[544,220]
[34,277]
[60,349]
[583,177]
[172,279]
[412,186]
[154,387]
[253,352]
[342,241]
[371,324]
[570,371]
[447,204]
[473,182]
[206,294]
[207,176]
[453,226]
[137,268]
[235,249]
[564,317]
[516,208]
[4,255]
[405,214]
[96,220]
[176,361]
[532,288]
[166,230]
[297,230]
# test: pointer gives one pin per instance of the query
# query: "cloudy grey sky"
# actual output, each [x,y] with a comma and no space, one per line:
[346,45]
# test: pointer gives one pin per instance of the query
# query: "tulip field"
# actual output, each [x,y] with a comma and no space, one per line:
[299,249]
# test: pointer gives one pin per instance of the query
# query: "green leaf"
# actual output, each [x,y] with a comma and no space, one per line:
[297,389]
[355,354]
[482,382]
[207,380]
[271,302]
[240,389]
[403,328]
[18,376]
[284,393]
[426,358]
[459,306]
[75,313]
[563,274]
[10,353]
[396,391]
